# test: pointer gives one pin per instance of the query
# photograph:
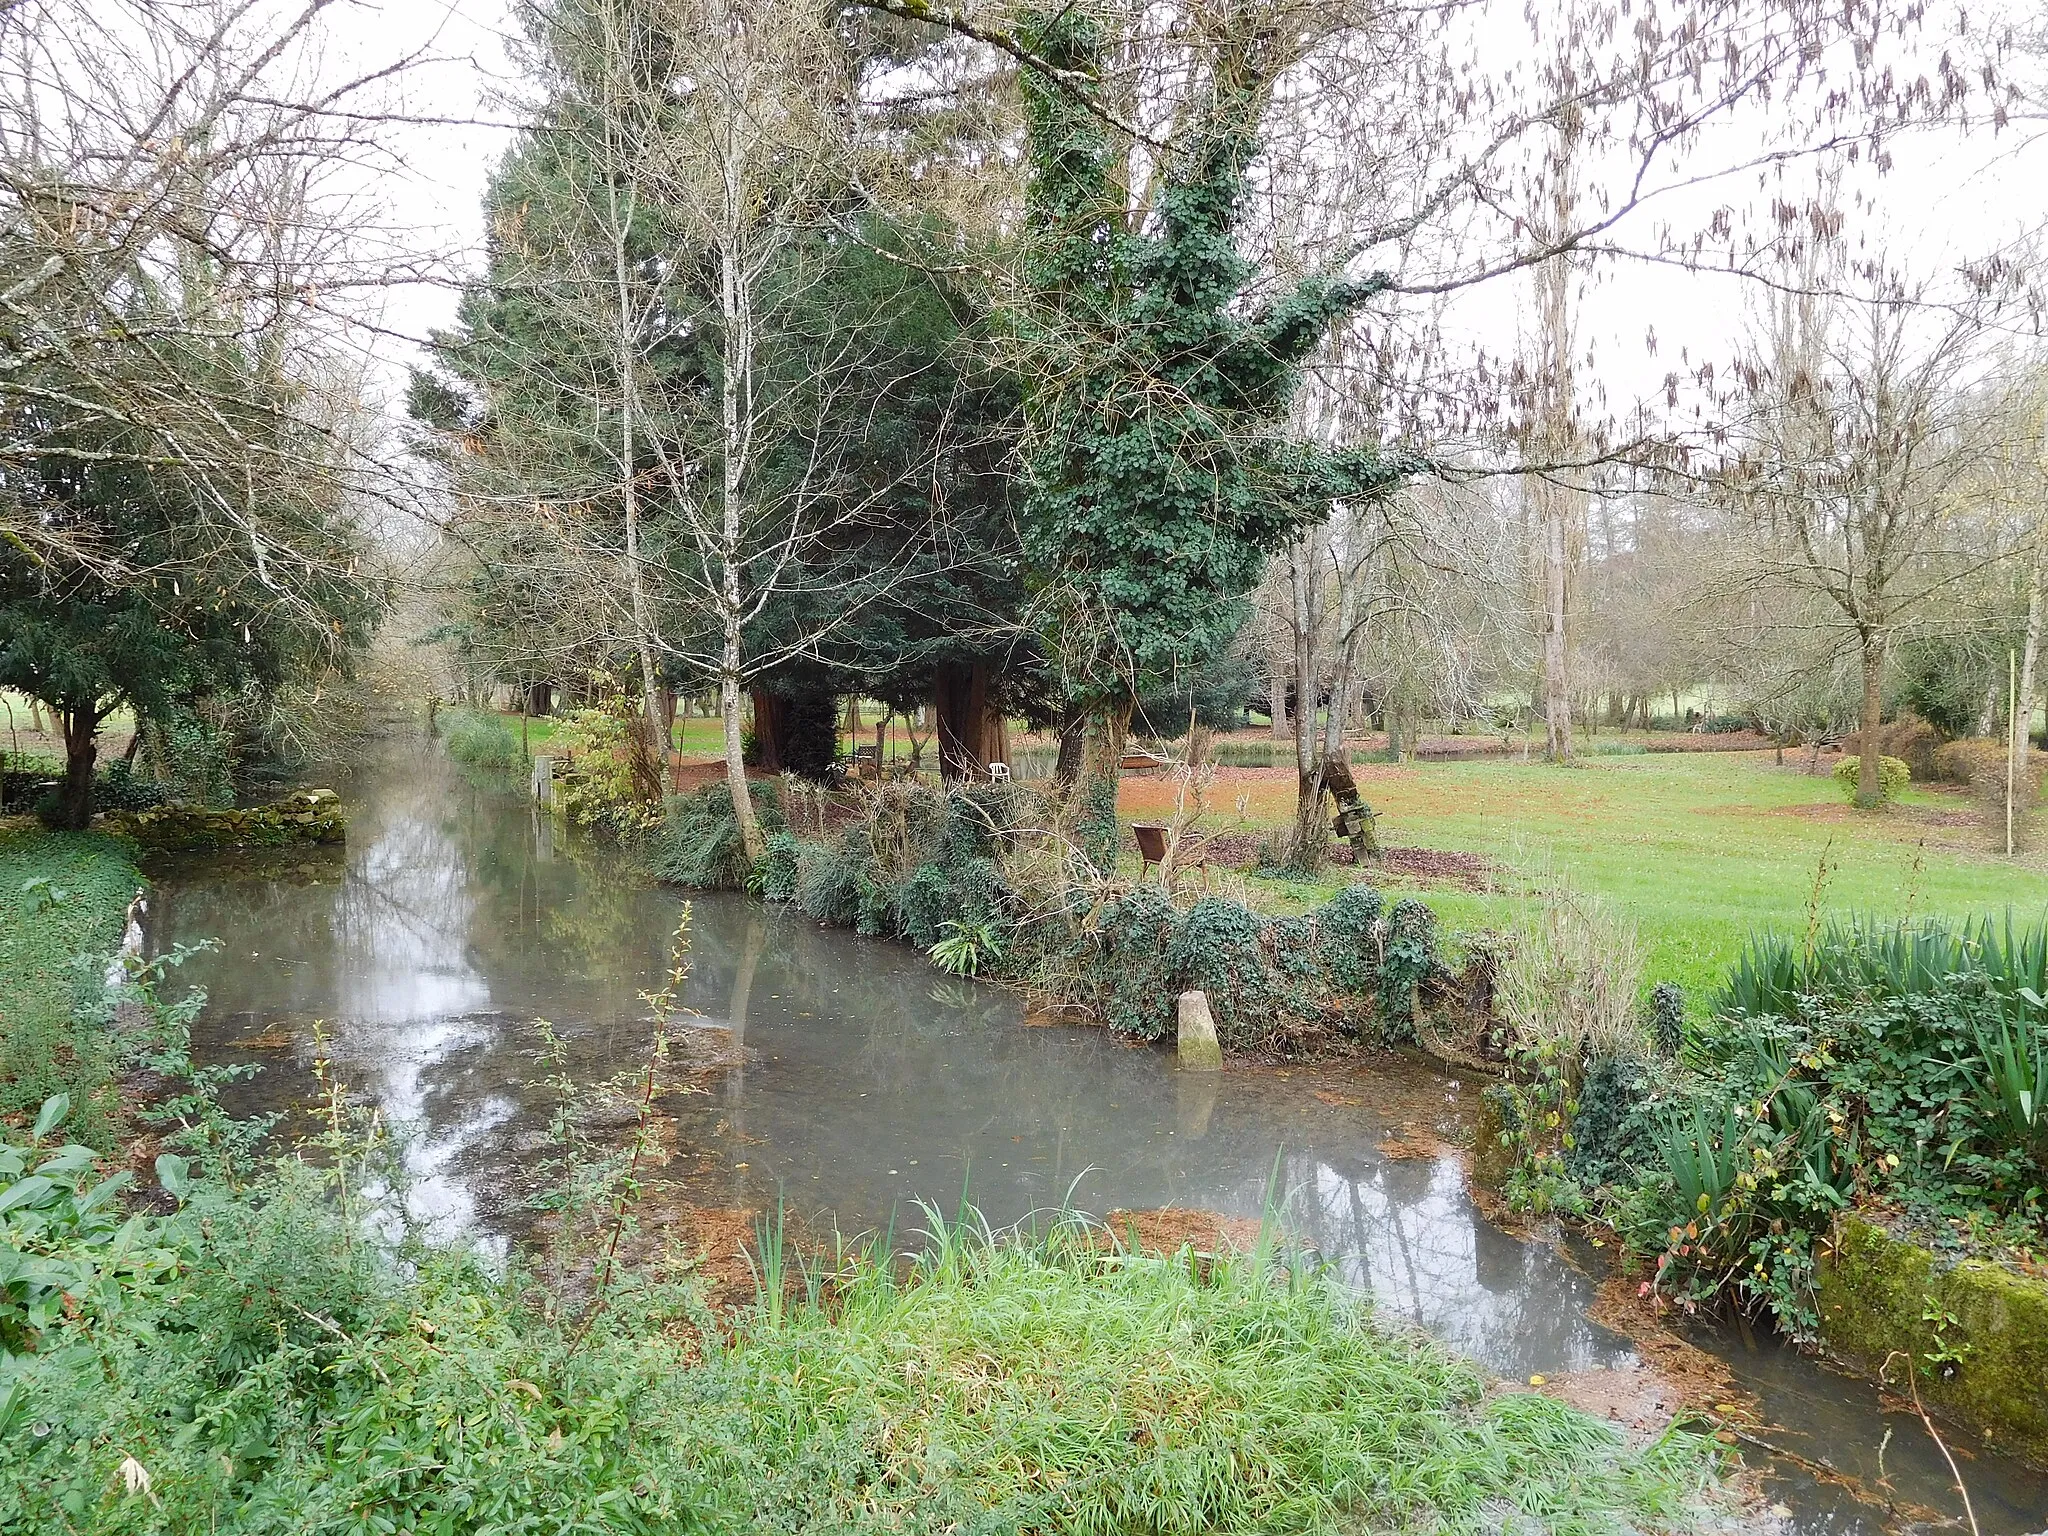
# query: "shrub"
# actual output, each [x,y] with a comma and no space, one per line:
[828,882]
[1908,738]
[1410,959]
[1722,725]
[1667,1017]
[604,772]
[1986,766]
[775,876]
[1132,968]
[1905,1058]
[189,757]
[927,905]
[1348,939]
[698,843]
[1217,948]
[1892,776]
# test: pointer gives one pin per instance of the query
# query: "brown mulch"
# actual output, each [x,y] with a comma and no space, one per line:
[1419,866]
[1164,1232]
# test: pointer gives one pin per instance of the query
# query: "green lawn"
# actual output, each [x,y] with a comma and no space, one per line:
[1699,848]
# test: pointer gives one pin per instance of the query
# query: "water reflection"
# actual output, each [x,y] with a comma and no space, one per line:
[858,1079]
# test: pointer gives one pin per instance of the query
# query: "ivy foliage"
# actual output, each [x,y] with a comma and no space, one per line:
[928,866]
[1160,478]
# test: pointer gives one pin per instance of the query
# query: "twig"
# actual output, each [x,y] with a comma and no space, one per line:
[1913,1385]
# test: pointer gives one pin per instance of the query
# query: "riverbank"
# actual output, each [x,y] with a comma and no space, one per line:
[1716,1151]
[63,900]
[274,1360]
[253,1344]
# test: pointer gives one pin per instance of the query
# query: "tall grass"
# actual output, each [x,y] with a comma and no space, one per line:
[484,742]
[1862,956]
[1060,1382]
[277,1377]
[1571,973]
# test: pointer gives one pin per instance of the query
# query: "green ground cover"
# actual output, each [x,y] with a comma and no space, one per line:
[248,1363]
[1699,849]
[62,895]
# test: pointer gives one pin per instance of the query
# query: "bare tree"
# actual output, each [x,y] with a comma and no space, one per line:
[1863,432]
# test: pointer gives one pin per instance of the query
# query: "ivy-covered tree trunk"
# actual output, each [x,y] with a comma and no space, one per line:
[1102,766]
[81,753]
[1073,746]
[1161,475]
[1308,848]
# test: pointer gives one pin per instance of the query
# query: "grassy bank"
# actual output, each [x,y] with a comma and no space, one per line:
[257,1365]
[1699,849]
[62,896]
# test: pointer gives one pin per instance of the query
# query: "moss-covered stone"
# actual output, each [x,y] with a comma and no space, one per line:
[1493,1159]
[309,816]
[1988,1369]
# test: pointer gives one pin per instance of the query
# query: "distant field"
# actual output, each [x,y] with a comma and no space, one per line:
[1699,848]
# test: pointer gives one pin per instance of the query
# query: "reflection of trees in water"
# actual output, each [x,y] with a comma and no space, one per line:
[1406,1230]
[455,927]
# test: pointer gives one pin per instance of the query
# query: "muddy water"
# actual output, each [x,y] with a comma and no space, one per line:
[856,1081]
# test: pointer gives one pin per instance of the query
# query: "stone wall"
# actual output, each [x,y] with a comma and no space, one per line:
[308,816]
[1884,1298]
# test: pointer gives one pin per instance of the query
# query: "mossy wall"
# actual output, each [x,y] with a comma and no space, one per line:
[310,816]
[1875,1291]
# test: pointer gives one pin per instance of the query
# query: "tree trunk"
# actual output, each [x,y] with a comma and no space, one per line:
[1276,689]
[768,729]
[636,583]
[1309,846]
[1073,745]
[959,714]
[1557,697]
[1869,786]
[2020,729]
[81,751]
[1102,768]
[751,841]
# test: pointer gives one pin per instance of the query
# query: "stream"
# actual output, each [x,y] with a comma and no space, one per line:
[854,1080]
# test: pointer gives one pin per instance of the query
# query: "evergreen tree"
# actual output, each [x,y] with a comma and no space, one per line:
[204,561]
[1160,474]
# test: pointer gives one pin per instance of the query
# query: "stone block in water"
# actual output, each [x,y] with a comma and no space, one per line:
[1199,1051]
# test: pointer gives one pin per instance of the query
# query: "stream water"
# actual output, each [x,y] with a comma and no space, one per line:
[859,1080]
